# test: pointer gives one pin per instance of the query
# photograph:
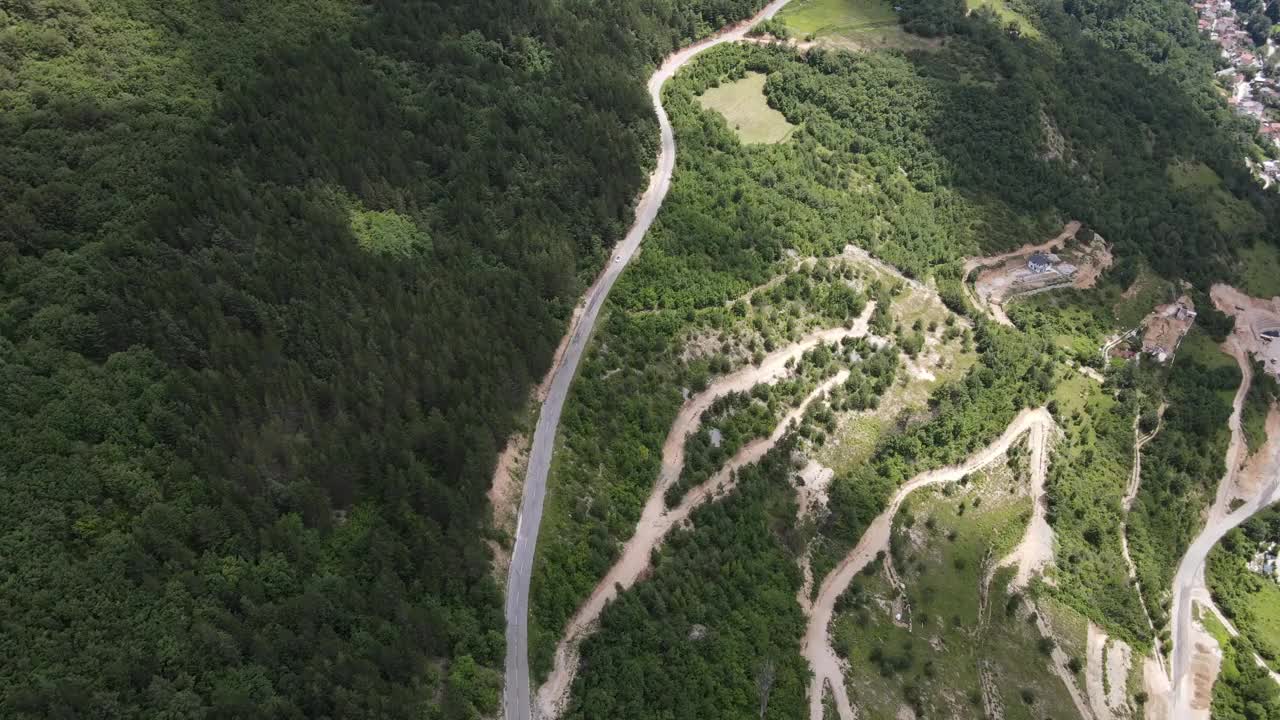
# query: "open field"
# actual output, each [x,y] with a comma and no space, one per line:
[1265,606]
[1146,291]
[941,360]
[1166,326]
[744,106]
[1260,270]
[851,24]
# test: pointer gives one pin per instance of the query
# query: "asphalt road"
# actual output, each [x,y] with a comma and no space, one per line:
[1190,573]
[516,696]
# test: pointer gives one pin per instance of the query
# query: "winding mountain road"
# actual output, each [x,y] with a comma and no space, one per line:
[516,696]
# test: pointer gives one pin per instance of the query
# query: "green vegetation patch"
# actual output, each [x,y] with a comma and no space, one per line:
[1264,391]
[1212,625]
[1241,587]
[1244,691]
[1199,183]
[714,630]
[1008,16]
[1182,465]
[853,24]
[387,232]
[1264,620]
[911,312]
[1260,270]
[744,106]
[1088,476]
[930,647]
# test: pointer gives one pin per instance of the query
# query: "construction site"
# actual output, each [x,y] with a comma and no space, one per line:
[1074,258]
[1257,327]
[1166,326]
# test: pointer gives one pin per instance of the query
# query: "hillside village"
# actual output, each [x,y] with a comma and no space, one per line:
[1255,91]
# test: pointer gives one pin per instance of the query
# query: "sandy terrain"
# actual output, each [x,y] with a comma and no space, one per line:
[1095,666]
[656,521]
[1119,660]
[1156,684]
[504,496]
[1035,551]
[811,497]
[1262,465]
[828,671]
[1106,674]
[1068,231]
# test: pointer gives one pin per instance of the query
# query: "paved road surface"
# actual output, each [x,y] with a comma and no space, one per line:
[1190,575]
[516,695]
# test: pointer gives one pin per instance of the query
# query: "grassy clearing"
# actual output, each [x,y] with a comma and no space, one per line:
[744,106]
[1212,625]
[1150,290]
[1265,606]
[1201,348]
[1007,15]
[1070,628]
[852,24]
[1200,182]
[944,541]
[1260,270]
[1077,393]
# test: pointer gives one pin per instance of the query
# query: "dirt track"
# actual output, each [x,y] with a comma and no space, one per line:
[1035,550]
[1130,494]
[656,521]
[827,668]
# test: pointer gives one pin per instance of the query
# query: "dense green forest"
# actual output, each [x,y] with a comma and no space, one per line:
[1088,477]
[277,279]
[1251,601]
[1244,691]
[715,630]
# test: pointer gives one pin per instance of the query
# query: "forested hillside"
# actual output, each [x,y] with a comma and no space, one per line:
[277,279]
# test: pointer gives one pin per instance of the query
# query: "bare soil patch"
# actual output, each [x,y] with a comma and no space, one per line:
[1166,326]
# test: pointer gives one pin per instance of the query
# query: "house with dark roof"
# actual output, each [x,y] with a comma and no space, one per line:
[1040,262]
